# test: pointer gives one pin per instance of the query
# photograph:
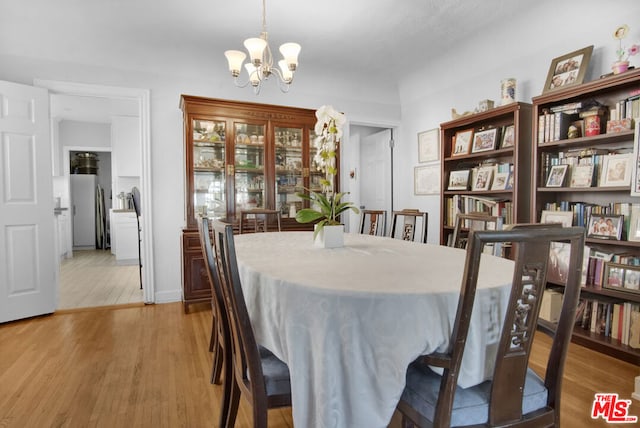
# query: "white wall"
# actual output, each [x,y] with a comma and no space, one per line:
[523,49]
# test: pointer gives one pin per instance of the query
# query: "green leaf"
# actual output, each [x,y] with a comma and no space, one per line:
[307,215]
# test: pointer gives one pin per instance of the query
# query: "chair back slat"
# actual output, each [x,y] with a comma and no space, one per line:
[261,218]
[373,222]
[409,224]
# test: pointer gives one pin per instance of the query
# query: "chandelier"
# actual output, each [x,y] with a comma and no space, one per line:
[260,68]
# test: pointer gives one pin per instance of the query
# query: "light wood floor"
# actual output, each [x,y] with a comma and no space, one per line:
[93,278]
[148,366]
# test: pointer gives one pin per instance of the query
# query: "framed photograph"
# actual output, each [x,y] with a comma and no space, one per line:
[459,180]
[581,176]
[568,70]
[558,269]
[462,142]
[484,140]
[426,180]
[500,181]
[635,163]
[633,234]
[508,137]
[613,276]
[556,175]
[563,217]
[482,179]
[429,145]
[605,226]
[621,277]
[616,170]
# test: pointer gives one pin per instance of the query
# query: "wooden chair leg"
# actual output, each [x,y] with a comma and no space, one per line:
[234,401]
[226,390]
[214,334]
[216,368]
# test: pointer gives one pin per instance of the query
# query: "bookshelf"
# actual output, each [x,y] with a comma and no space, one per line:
[612,100]
[499,175]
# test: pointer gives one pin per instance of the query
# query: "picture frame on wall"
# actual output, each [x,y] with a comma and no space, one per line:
[556,176]
[484,140]
[459,180]
[568,70]
[462,142]
[426,179]
[605,226]
[616,170]
[429,145]
[508,137]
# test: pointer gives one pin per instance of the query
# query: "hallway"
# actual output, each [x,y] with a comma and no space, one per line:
[93,278]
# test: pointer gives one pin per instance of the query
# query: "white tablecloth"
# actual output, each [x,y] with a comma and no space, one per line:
[348,321]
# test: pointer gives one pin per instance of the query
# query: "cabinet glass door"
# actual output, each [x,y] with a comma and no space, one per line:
[315,175]
[208,168]
[249,166]
[288,159]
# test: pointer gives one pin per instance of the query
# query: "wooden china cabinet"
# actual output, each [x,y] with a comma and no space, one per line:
[240,156]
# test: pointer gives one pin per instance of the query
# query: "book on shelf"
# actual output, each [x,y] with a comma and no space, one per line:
[610,319]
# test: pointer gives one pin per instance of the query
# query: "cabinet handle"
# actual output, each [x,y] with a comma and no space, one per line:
[230,170]
[305,172]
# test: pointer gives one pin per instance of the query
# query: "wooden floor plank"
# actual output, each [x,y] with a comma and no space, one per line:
[149,366]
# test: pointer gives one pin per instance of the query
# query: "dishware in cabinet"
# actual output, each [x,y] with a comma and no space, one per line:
[208,161]
[249,166]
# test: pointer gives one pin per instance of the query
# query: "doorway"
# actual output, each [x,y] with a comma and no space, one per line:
[374,174]
[84,95]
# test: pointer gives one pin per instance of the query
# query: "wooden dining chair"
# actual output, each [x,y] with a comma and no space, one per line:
[472,221]
[255,372]
[515,396]
[261,218]
[373,222]
[216,342]
[409,224]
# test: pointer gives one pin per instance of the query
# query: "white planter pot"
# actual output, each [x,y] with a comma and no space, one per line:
[330,237]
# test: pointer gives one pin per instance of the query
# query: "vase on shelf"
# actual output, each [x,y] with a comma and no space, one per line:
[330,237]
[620,67]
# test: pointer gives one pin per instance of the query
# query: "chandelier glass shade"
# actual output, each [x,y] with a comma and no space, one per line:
[260,66]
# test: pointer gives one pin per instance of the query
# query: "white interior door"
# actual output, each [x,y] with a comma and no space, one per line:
[375,172]
[28,279]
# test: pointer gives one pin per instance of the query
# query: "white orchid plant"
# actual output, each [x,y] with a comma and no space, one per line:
[328,131]
[622,53]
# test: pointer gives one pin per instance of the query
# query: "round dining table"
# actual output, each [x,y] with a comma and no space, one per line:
[348,321]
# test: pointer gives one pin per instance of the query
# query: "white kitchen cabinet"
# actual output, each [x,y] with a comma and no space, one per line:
[124,235]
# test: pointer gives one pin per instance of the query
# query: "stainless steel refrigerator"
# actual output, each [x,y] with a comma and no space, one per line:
[88,212]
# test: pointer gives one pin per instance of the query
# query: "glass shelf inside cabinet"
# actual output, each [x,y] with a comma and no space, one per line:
[249,166]
[208,168]
[289,179]
[315,175]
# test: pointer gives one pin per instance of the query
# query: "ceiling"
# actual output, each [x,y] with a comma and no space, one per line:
[363,39]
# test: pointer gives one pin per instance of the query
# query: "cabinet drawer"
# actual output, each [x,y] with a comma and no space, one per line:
[191,241]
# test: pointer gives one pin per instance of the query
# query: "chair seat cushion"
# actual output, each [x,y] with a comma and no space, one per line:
[276,374]
[470,405]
